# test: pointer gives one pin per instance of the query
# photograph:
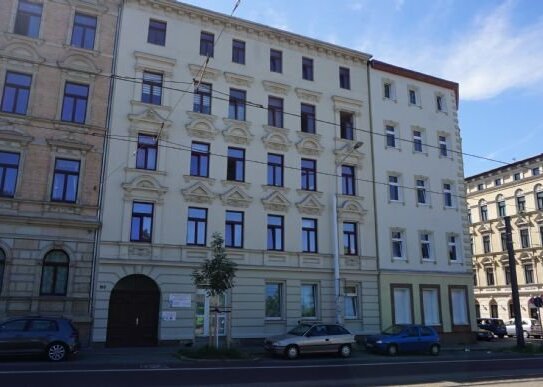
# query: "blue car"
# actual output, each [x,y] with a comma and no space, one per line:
[405,338]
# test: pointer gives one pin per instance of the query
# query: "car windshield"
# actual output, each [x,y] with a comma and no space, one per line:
[393,330]
[300,329]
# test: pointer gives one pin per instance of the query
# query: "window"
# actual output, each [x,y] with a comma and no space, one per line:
[2,267]
[348,180]
[146,155]
[387,90]
[453,255]
[16,93]
[235,165]
[413,97]
[350,243]
[309,175]
[393,188]
[157,32]
[238,51]
[274,300]
[510,309]
[275,170]
[459,306]
[421,191]
[493,309]
[443,146]
[275,112]
[541,235]
[516,176]
[308,118]
[425,246]
[469,216]
[440,103]
[401,302]
[483,209]
[486,244]
[430,306]
[507,273]
[151,90]
[84,31]
[276,61]
[498,182]
[539,199]
[206,44]
[275,232]
[142,222]
[447,195]
[417,141]
[196,226]
[535,171]
[233,233]
[28,19]
[489,276]
[308,300]
[199,159]
[350,302]
[74,105]
[309,235]
[529,273]
[65,181]
[307,68]
[524,238]
[397,245]
[202,98]
[521,204]
[503,239]
[471,244]
[236,104]
[391,136]
[344,78]
[9,168]
[346,124]
[501,207]
[480,187]
[54,275]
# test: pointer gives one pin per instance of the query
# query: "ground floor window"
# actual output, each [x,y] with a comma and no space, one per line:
[493,309]
[402,304]
[459,306]
[350,302]
[309,300]
[430,306]
[274,300]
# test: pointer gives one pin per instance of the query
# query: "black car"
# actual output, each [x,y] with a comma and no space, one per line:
[494,325]
[54,337]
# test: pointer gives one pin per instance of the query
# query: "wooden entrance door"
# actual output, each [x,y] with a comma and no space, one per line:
[133,313]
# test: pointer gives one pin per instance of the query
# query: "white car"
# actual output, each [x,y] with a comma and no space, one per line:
[530,327]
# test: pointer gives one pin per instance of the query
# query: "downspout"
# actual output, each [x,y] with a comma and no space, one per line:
[105,153]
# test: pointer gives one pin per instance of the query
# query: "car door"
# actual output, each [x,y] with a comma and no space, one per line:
[410,340]
[316,339]
[12,336]
[41,332]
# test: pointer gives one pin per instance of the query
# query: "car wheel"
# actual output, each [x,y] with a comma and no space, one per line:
[509,335]
[345,350]
[501,336]
[525,334]
[434,350]
[56,352]
[292,352]
[392,350]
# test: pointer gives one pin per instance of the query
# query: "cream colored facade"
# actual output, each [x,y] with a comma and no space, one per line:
[47,232]
[515,190]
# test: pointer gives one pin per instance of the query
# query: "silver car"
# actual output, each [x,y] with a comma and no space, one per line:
[312,338]
[530,328]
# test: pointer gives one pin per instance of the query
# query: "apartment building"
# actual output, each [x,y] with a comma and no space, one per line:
[423,250]
[56,57]
[514,190]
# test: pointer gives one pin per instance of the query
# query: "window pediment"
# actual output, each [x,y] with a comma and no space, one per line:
[238,79]
[310,205]
[79,62]
[309,144]
[198,193]
[276,201]
[93,6]
[348,155]
[351,210]
[202,72]
[276,140]
[308,95]
[347,104]
[145,187]
[23,50]
[276,87]
[69,143]
[539,218]
[236,197]
[237,132]
[202,126]
[14,138]
[149,120]
[522,220]
[146,61]
[484,229]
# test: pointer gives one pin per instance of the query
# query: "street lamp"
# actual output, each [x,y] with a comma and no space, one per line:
[339,317]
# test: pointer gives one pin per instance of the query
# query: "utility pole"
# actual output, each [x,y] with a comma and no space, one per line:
[514,283]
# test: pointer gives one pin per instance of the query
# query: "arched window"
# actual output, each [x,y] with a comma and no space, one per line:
[500,206]
[539,196]
[2,267]
[54,276]
[493,309]
[521,201]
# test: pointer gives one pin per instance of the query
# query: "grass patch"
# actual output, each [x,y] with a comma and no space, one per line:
[529,348]
[207,352]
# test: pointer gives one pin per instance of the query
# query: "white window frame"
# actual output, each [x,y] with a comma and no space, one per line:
[430,309]
[350,293]
[424,188]
[440,97]
[448,192]
[390,130]
[403,301]
[281,286]
[459,306]
[397,236]
[391,83]
[419,137]
[416,90]
[443,140]
[455,244]
[426,238]
[397,185]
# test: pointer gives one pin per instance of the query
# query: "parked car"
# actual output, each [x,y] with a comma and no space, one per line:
[405,338]
[312,338]
[54,337]
[495,325]
[530,327]
[483,334]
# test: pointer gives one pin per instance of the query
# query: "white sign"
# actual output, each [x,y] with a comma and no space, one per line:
[169,316]
[180,300]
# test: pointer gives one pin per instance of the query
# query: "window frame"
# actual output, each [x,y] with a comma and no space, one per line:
[459,326]
[524,236]
[145,149]
[350,239]
[274,168]
[390,136]
[417,141]
[156,32]
[274,228]
[276,61]
[31,16]
[202,100]
[307,69]
[453,248]
[486,244]
[197,221]
[235,164]
[310,242]
[207,44]
[353,296]
[4,168]
[448,195]
[422,196]
[85,28]
[73,99]
[308,174]
[199,159]
[348,180]
[154,82]
[238,51]
[280,293]
[425,240]
[443,146]
[394,188]
[346,125]
[55,267]
[528,273]
[237,104]
[308,118]
[18,89]
[275,111]
[315,300]
[490,277]
[344,78]
[65,174]
[437,289]
[397,241]
[234,226]
[142,216]
[410,309]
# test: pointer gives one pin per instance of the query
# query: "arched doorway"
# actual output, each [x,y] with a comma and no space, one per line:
[133,312]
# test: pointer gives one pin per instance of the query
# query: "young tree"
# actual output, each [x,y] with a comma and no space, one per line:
[215,275]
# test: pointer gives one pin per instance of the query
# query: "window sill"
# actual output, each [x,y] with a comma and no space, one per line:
[13,36]
[81,50]
[150,105]
[420,153]
[302,191]
[390,99]
[191,178]
[146,171]
[400,259]
[399,202]
[415,105]
[387,147]
[236,183]
[428,260]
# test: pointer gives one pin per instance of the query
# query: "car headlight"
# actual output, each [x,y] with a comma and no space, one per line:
[379,342]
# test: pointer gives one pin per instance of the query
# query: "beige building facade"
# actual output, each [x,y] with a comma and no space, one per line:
[56,57]
[515,190]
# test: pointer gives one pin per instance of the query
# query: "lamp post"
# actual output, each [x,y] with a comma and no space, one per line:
[339,317]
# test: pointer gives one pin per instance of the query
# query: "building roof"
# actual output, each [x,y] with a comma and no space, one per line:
[504,168]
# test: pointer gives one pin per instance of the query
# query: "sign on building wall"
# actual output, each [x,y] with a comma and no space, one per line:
[169,316]
[180,300]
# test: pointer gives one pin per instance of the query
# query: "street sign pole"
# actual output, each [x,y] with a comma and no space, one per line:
[514,283]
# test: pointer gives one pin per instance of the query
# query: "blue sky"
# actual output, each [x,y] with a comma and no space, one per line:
[492,48]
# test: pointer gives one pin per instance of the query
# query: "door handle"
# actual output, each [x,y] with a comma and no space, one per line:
[137,321]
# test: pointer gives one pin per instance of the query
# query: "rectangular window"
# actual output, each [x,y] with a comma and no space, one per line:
[151,89]
[417,141]
[28,19]
[397,245]
[233,233]
[16,93]
[521,204]
[74,105]
[84,31]
[541,235]
[235,164]
[346,124]
[503,239]
[309,235]
[275,112]
[412,96]
[207,40]
[430,306]
[393,188]
[65,181]
[498,182]
[387,90]
[274,300]
[440,103]
[199,159]
[275,170]
[202,98]
[421,191]
[309,175]
[141,229]
[489,276]
[157,32]
[307,68]
[276,61]
[480,187]
[402,304]
[486,244]
[539,199]
[443,146]
[308,118]
[524,238]
[459,306]
[391,136]
[146,155]
[425,246]
[275,232]
[507,272]
[344,78]
[9,168]
[348,181]
[529,273]
[236,104]
[501,208]
[453,255]
[535,171]
[516,176]
[350,240]
[447,195]
[196,226]
[238,51]
[350,302]
[484,213]
[308,298]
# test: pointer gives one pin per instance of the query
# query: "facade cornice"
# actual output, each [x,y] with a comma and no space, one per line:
[509,167]
[50,222]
